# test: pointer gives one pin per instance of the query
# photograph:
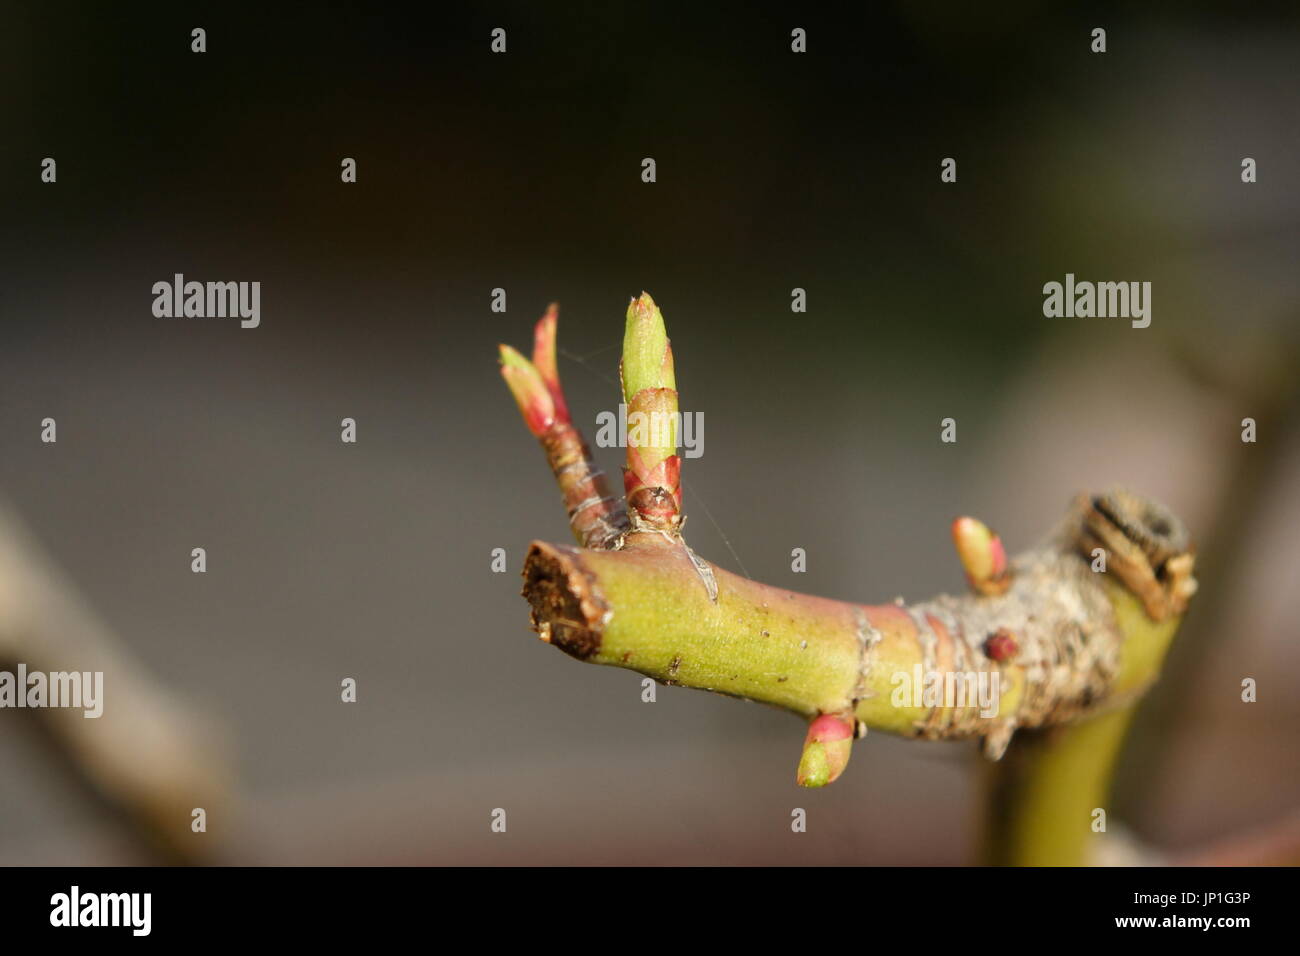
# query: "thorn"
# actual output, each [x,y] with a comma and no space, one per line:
[998,739]
[982,555]
[825,751]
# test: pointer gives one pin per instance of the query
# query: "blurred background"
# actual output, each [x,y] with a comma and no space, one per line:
[522,171]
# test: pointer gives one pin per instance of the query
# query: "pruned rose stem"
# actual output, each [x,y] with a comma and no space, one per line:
[1046,644]
[644,607]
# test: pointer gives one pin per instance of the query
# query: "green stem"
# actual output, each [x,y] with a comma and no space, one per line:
[1047,789]
[1051,784]
[654,607]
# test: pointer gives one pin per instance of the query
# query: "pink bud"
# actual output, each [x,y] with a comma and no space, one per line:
[1001,646]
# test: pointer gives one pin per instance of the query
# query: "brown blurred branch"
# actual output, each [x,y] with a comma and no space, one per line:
[1273,844]
[149,755]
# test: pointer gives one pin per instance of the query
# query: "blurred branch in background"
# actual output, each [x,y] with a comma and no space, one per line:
[1273,844]
[149,755]
[1258,377]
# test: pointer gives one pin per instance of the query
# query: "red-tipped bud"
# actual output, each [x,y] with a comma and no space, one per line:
[826,751]
[982,555]
[530,391]
[544,360]
[1001,646]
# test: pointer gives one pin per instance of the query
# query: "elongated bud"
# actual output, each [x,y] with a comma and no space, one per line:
[652,478]
[825,751]
[597,519]
[982,555]
[544,359]
[647,356]
[530,391]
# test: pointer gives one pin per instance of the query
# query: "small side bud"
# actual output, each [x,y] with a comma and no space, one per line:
[544,360]
[1001,646]
[530,391]
[825,751]
[982,555]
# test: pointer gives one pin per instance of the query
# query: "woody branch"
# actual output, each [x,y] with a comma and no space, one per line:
[1061,639]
